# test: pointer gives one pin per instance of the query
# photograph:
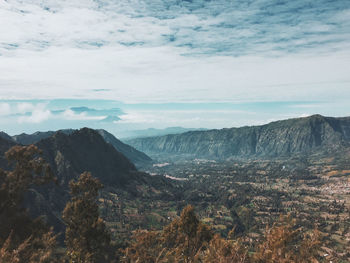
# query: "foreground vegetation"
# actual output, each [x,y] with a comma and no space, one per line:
[187,239]
[177,238]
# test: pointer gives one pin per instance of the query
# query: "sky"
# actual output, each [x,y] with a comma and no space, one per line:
[136,64]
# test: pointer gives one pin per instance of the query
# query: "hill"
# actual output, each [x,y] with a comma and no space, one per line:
[314,134]
[85,150]
[135,156]
[69,155]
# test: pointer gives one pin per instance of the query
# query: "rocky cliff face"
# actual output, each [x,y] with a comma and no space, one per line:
[276,139]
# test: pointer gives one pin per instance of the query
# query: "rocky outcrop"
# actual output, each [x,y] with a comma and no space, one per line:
[277,139]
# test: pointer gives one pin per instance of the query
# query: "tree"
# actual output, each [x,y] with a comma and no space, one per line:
[183,240]
[285,243]
[32,250]
[146,248]
[87,238]
[23,239]
[225,251]
[186,239]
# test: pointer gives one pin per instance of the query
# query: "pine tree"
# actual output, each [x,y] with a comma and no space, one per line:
[225,251]
[183,240]
[32,250]
[187,240]
[146,248]
[286,243]
[23,239]
[87,238]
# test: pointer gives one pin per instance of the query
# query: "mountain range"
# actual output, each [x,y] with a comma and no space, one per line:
[314,134]
[71,152]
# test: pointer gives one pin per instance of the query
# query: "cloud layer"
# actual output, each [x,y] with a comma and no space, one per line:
[36,112]
[168,51]
[155,50]
[200,26]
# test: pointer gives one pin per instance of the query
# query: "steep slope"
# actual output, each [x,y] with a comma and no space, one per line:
[69,155]
[85,150]
[281,138]
[5,144]
[5,136]
[137,157]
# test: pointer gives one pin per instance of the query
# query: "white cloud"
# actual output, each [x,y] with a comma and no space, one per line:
[37,116]
[5,109]
[173,51]
[163,75]
[23,107]
[137,117]
[309,106]
[71,115]
[201,27]
[187,118]
[304,115]
[32,112]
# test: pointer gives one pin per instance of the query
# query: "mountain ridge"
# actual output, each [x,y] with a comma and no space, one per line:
[151,132]
[135,156]
[275,139]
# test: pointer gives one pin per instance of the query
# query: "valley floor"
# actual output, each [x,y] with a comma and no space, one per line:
[245,195]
